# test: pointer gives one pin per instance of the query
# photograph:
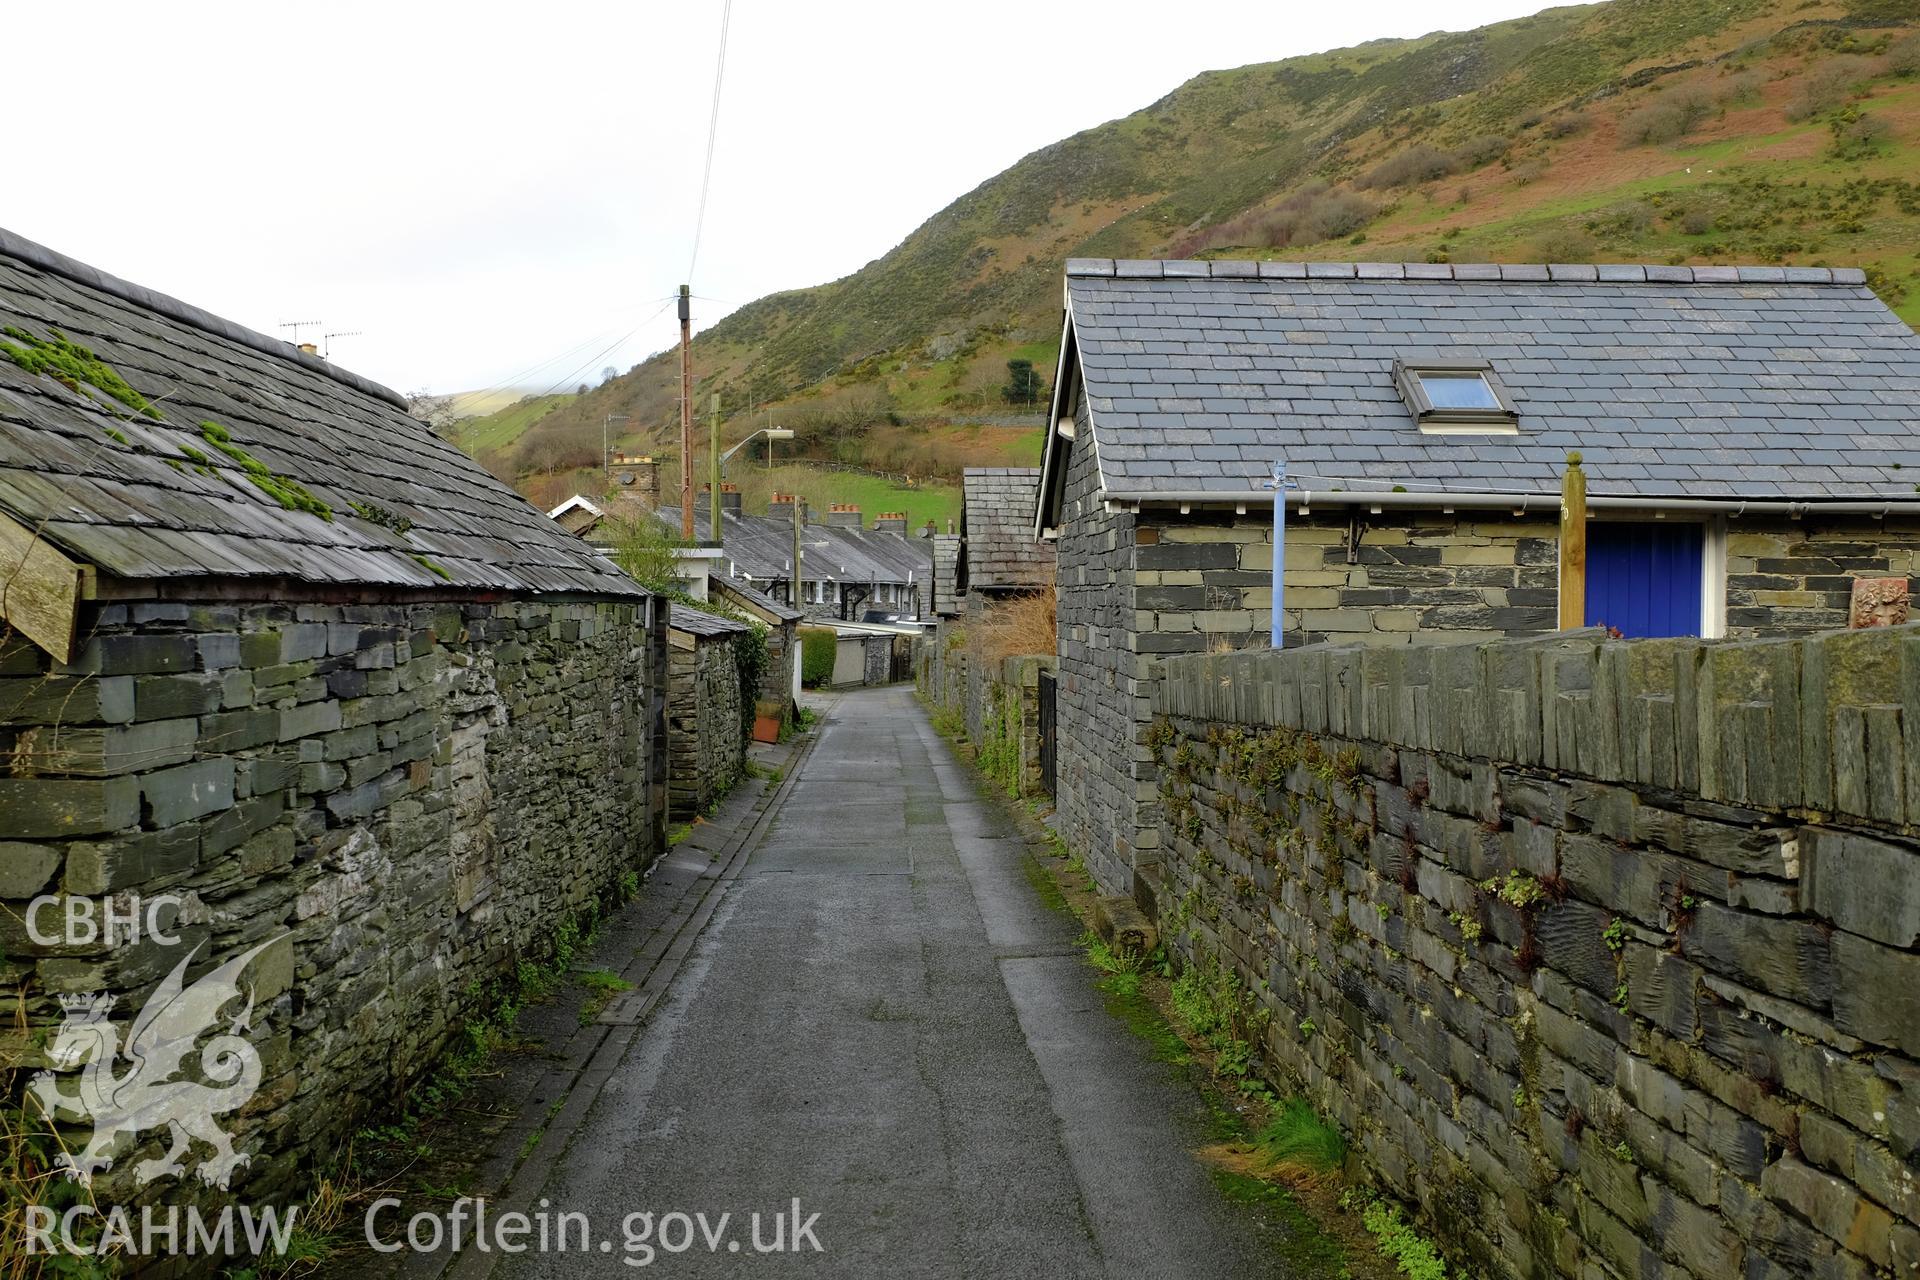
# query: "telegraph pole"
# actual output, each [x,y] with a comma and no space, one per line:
[713,469]
[686,413]
[795,601]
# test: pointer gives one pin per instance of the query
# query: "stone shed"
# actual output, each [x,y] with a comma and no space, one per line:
[1749,440]
[304,680]
[708,714]
[780,681]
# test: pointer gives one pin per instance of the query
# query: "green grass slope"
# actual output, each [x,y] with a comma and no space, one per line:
[1657,130]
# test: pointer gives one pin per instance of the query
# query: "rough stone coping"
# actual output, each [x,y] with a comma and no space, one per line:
[1530,273]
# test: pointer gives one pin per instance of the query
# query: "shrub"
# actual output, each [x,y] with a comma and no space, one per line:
[1563,244]
[1417,164]
[1481,149]
[817,648]
[1565,126]
[644,548]
[1856,135]
[1676,114]
[1903,58]
[1741,88]
[1826,86]
[1633,218]
[1696,221]
[1310,214]
[1530,171]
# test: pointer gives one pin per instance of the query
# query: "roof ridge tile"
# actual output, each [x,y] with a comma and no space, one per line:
[1518,272]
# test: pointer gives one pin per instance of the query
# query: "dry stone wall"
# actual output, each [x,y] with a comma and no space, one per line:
[706,721]
[996,704]
[1603,953]
[401,800]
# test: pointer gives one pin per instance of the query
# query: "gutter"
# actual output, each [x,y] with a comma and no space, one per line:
[1303,498]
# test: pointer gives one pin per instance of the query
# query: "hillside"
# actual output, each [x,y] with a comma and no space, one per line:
[1657,130]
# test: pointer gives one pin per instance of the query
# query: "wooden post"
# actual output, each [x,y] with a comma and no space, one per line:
[686,413]
[713,469]
[794,598]
[1573,545]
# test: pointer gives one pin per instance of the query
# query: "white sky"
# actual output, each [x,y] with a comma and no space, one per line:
[480,187]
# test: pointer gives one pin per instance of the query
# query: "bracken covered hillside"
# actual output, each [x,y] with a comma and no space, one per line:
[1659,130]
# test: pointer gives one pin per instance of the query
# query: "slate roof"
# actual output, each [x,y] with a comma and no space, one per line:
[761,548]
[136,505]
[996,521]
[759,599]
[698,622]
[1703,382]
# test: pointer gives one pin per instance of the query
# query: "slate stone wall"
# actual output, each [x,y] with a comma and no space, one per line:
[1205,580]
[1105,778]
[402,799]
[996,703]
[1603,953]
[783,650]
[1796,576]
[706,729]
[879,660]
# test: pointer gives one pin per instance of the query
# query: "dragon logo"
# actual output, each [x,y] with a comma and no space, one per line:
[149,1095]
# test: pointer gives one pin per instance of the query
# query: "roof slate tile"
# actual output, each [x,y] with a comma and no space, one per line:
[1674,381]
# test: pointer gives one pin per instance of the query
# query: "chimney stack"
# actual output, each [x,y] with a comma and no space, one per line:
[929,529]
[950,525]
[636,478]
[729,499]
[890,522]
[308,348]
[780,506]
[843,515]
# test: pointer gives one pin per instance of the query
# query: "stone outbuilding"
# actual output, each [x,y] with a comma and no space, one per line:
[780,681]
[1749,437]
[707,715]
[307,680]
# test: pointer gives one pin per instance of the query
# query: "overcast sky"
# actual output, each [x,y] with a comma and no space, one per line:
[482,187]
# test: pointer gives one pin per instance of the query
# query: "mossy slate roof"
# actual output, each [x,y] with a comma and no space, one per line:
[698,622]
[1791,383]
[996,520]
[122,506]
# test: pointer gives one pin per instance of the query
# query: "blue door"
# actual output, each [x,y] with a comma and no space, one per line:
[1644,579]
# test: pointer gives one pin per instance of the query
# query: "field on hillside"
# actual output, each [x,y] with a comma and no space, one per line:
[823,486]
[503,427]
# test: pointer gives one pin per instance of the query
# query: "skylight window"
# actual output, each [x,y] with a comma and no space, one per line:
[1455,397]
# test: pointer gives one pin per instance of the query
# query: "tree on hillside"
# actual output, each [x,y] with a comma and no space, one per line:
[1023,384]
[608,374]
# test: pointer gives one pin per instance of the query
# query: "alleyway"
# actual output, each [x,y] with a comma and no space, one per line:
[883,1021]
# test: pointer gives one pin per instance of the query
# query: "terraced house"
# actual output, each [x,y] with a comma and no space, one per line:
[1748,434]
[282,663]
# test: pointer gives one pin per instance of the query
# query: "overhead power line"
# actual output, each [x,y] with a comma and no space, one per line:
[713,134]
